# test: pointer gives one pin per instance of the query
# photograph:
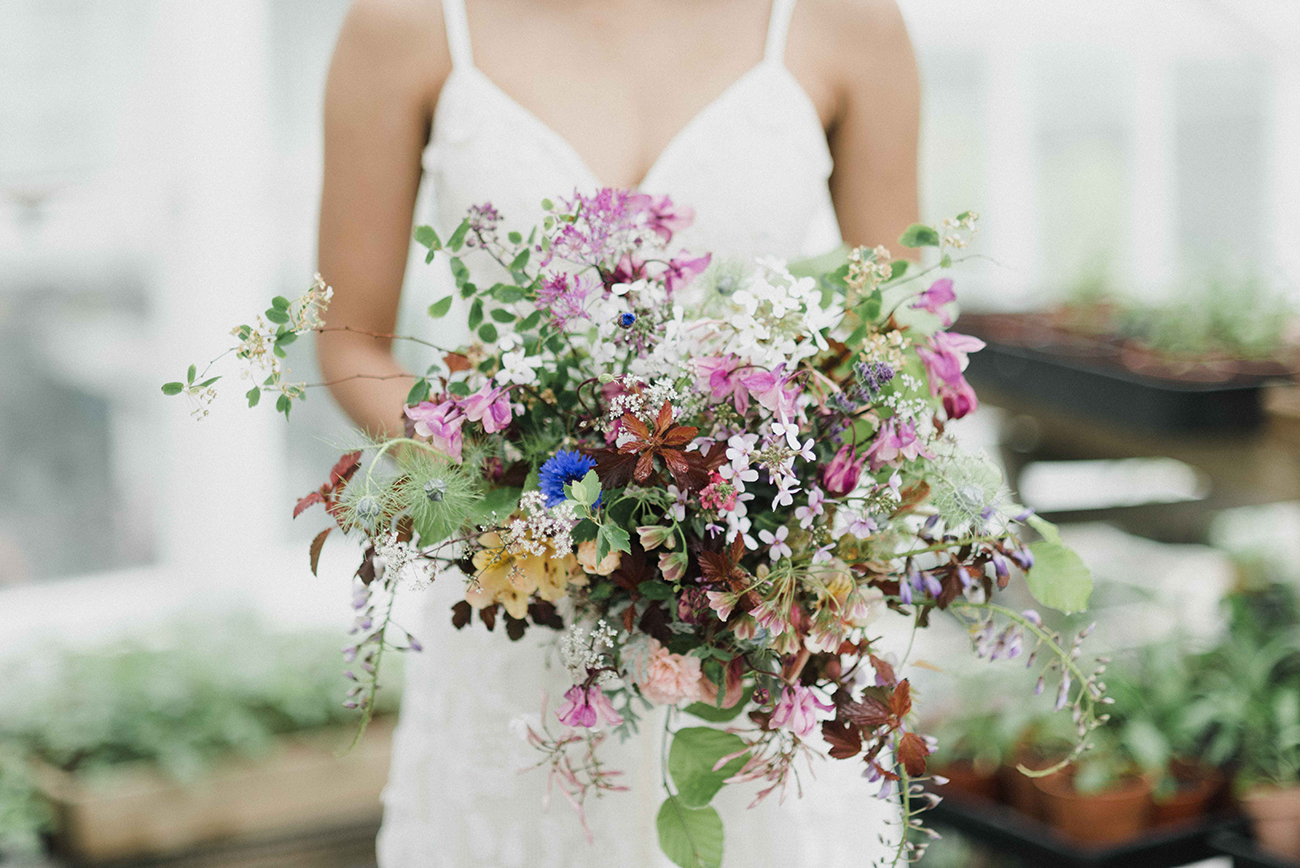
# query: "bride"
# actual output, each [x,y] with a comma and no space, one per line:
[784,128]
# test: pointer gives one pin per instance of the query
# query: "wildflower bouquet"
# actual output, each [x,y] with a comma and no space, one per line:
[712,478]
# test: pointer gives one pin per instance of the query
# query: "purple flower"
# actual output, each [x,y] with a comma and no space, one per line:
[586,707]
[934,298]
[489,405]
[563,297]
[797,710]
[681,271]
[441,423]
[841,476]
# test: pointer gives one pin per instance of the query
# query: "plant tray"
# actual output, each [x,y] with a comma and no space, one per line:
[1244,852]
[134,811]
[1085,387]
[1009,831]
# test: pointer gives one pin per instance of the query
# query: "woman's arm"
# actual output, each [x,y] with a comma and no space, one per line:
[389,63]
[875,132]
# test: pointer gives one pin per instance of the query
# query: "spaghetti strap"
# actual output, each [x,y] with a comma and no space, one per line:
[777,28]
[457,24]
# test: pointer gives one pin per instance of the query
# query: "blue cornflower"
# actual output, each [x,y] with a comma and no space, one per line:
[626,320]
[561,469]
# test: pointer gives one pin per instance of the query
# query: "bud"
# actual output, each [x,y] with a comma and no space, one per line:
[840,476]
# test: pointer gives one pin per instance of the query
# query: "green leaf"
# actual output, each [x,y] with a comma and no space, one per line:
[690,837]
[1059,578]
[515,237]
[280,303]
[548,205]
[254,395]
[439,308]
[919,235]
[531,321]
[283,405]
[503,315]
[498,501]
[476,313]
[656,590]
[946,262]
[458,237]
[208,382]
[460,389]
[584,531]
[276,315]
[173,388]
[468,289]
[488,333]
[897,269]
[520,261]
[286,338]
[191,374]
[425,236]
[714,714]
[609,538]
[459,271]
[869,307]
[419,392]
[691,758]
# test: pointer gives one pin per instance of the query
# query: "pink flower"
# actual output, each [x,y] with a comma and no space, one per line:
[945,359]
[665,218]
[808,514]
[564,298]
[841,476]
[894,441]
[934,298]
[680,272]
[629,269]
[797,710]
[717,374]
[666,678]
[722,602]
[587,707]
[489,406]
[441,423]
[772,389]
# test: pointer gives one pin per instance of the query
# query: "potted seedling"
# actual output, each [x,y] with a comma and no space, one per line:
[972,750]
[1103,798]
[1042,744]
[217,731]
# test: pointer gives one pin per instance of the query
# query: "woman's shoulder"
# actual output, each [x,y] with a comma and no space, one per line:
[400,42]
[874,26]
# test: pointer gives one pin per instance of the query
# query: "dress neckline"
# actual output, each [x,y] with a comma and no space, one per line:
[675,143]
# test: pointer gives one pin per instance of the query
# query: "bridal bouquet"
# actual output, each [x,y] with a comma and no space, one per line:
[712,478]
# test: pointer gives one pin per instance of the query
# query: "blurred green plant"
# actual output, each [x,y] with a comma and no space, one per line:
[196,693]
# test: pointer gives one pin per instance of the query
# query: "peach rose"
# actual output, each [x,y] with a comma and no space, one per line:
[607,565]
[666,678]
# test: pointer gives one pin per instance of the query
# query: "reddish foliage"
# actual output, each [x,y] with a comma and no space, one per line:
[843,737]
[461,614]
[912,753]
[316,545]
[900,701]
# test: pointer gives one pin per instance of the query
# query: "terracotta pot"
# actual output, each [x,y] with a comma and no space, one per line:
[1275,815]
[1108,817]
[1197,786]
[965,781]
[1019,790]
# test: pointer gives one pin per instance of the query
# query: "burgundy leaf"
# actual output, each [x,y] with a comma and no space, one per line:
[843,737]
[310,500]
[912,753]
[461,613]
[316,545]
[900,701]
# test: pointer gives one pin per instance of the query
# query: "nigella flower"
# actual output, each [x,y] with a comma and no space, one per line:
[586,707]
[626,320]
[561,469]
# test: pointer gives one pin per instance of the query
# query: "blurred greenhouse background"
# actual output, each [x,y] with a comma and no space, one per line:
[159,171]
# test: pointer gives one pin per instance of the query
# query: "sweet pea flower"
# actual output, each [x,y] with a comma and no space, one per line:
[441,423]
[894,441]
[586,707]
[797,710]
[666,218]
[840,477]
[717,374]
[488,405]
[934,298]
[773,391]
[948,354]
[680,272]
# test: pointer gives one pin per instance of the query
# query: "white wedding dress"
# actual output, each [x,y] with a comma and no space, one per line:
[754,165]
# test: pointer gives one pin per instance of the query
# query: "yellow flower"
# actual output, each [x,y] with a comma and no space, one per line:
[510,579]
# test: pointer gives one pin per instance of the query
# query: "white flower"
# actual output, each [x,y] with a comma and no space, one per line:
[520,724]
[777,542]
[518,368]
